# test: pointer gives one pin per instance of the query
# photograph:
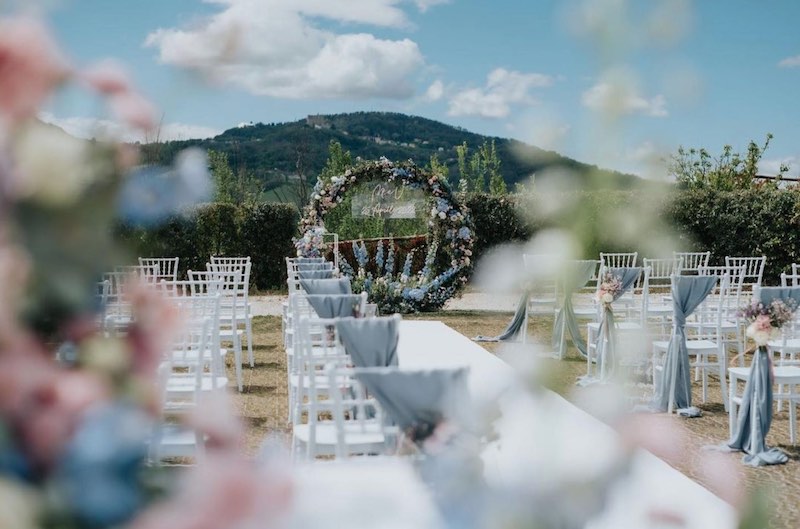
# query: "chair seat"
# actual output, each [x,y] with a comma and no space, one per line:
[780,345]
[175,441]
[691,345]
[321,382]
[182,385]
[623,326]
[370,439]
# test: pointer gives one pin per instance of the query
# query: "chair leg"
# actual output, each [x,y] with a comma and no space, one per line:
[792,415]
[249,331]
[724,383]
[732,410]
[237,359]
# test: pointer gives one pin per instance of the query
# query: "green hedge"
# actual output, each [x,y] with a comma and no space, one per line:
[264,232]
[753,222]
[742,223]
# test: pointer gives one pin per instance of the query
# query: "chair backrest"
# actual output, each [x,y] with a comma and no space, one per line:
[731,287]
[619,260]
[164,268]
[662,270]
[240,272]
[316,347]
[354,411]
[753,269]
[691,262]
[790,280]
[215,259]
[143,273]
[541,271]
[717,307]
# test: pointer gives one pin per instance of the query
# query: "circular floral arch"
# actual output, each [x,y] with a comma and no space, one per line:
[450,229]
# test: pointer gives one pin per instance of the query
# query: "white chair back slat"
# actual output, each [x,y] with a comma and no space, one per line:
[691,262]
[619,260]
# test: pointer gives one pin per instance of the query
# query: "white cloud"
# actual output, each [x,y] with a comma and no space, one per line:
[86,127]
[647,159]
[424,5]
[790,62]
[435,91]
[503,89]
[623,98]
[277,48]
[772,166]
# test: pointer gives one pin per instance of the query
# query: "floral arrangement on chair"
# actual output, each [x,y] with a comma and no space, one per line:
[767,320]
[609,289]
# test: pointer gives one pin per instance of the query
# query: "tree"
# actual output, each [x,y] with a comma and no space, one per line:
[491,163]
[476,170]
[438,168]
[232,188]
[464,176]
[338,161]
[697,169]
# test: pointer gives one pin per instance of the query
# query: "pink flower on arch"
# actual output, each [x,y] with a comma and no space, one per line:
[31,66]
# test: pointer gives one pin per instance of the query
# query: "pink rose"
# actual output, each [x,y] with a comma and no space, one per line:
[31,66]
[763,323]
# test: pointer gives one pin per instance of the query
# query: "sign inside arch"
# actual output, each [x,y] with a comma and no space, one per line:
[381,200]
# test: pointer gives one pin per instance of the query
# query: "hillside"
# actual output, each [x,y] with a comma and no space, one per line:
[274,152]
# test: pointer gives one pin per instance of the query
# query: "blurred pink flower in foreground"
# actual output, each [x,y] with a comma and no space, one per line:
[224,490]
[215,420]
[31,66]
[656,433]
[157,322]
[133,109]
[43,403]
[107,77]
[112,80]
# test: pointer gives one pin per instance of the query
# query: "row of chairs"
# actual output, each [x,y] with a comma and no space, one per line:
[347,395]
[644,315]
[214,309]
[330,411]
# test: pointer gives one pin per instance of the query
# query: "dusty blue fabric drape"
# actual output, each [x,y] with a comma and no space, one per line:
[315,274]
[319,287]
[578,273]
[513,329]
[418,401]
[310,267]
[370,342]
[675,389]
[755,411]
[335,306]
[606,336]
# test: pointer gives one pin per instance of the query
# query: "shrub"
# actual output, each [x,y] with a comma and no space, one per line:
[497,220]
[265,234]
[263,231]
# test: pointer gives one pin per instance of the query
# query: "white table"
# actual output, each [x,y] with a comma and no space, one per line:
[576,441]
[372,493]
[785,376]
[434,345]
[544,439]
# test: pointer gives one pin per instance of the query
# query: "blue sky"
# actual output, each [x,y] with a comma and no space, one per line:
[612,82]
